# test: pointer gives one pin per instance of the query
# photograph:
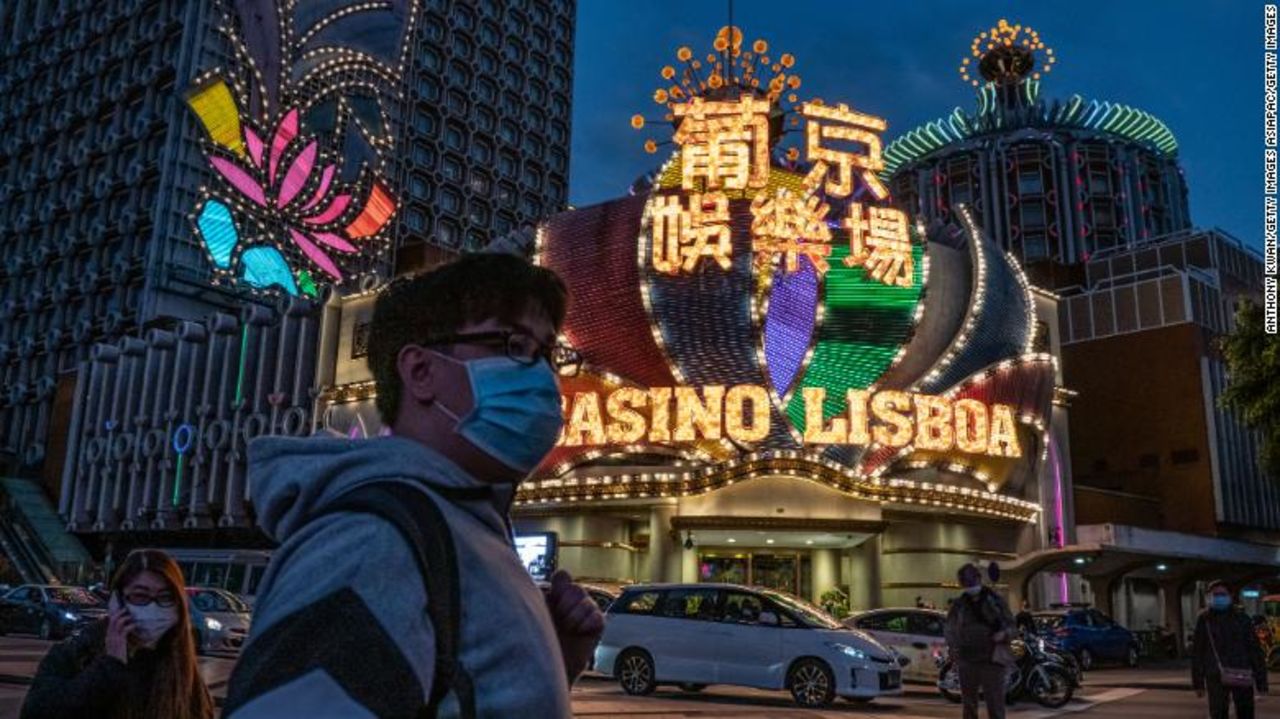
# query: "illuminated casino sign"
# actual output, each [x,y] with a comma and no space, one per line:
[760,296]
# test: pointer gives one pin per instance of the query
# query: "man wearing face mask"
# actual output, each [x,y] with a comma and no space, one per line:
[465,361]
[1226,658]
[979,625]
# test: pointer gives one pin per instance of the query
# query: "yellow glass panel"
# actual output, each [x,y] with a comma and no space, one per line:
[214,105]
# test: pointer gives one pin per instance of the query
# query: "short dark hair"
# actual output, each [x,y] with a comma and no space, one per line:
[1217,583]
[966,568]
[474,288]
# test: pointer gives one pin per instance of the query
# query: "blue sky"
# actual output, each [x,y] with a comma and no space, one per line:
[1195,65]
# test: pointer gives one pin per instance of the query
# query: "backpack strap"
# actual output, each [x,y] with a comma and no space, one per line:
[419,520]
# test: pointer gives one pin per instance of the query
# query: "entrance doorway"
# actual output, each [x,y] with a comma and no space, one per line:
[789,572]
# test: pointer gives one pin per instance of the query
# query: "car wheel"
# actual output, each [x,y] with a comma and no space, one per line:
[811,683]
[46,629]
[635,672]
[1086,659]
[1131,659]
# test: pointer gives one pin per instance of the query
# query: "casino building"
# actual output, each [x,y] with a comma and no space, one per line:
[837,399]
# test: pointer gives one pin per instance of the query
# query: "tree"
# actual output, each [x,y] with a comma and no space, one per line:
[1253,380]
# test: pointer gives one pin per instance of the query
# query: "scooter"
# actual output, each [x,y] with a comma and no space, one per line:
[1035,673]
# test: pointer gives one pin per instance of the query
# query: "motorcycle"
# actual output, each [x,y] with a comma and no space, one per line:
[1035,673]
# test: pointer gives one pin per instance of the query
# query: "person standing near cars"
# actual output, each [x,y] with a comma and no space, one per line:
[979,628]
[1226,658]
[415,602]
[138,662]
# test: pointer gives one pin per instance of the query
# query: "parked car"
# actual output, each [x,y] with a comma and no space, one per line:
[1090,635]
[48,611]
[917,634]
[693,635]
[219,619]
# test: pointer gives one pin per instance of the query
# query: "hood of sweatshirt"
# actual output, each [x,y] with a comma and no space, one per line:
[292,479]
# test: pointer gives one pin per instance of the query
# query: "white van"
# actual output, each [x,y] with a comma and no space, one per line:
[693,635]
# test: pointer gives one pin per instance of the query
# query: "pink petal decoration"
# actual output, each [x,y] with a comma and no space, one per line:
[297,175]
[335,241]
[326,179]
[284,134]
[240,179]
[316,254]
[330,213]
[255,146]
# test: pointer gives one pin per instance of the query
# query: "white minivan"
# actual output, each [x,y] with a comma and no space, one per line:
[693,635]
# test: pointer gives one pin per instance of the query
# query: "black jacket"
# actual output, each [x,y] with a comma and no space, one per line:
[78,679]
[972,623]
[1236,643]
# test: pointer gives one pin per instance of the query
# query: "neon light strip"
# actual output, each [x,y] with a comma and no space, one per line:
[177,478]
[244,348]
[1059,515]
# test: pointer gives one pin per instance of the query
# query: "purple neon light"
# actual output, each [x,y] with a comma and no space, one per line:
[1059,515]
[789,324]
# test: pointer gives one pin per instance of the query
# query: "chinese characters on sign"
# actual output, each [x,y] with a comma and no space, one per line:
[724,146]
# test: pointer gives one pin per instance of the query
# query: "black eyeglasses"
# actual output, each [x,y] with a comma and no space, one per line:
[142,597]
[520,347]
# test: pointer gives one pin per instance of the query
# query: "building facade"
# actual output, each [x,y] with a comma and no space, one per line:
[1089,196]
[154,293]
[103,168]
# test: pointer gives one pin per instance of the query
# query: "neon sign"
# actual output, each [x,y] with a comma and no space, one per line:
[741,413]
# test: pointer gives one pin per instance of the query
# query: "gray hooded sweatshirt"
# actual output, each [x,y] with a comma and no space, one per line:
[340,626]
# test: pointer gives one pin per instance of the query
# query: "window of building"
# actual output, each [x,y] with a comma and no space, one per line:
[482,151]
[458,103]
[450,200]
[455,137]
[489,63]
[485,119]
[1030,182]
[452,169]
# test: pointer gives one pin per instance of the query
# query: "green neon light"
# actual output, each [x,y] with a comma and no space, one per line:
[177,478]
[864,324]
[244,348]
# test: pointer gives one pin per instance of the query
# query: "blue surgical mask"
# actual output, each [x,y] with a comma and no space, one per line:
[973,591]
[516,416]
[1220,602]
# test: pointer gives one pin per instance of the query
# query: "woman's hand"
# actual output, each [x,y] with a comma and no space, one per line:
[119,627]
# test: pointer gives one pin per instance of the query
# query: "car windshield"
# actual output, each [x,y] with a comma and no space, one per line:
[1049,621]
[804,611]
[208,601]
[71,595]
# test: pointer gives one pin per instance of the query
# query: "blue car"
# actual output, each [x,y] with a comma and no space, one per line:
[1090,635]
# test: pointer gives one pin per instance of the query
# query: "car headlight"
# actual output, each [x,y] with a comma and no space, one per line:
[848,651]
[70,617]
[213,624]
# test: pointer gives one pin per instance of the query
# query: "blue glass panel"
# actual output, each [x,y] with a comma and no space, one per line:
[218,231]
[264,266]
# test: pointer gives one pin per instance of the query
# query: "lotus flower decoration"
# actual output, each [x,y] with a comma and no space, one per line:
[284,187]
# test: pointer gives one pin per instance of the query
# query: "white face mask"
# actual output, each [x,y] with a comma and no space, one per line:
[973,591]
[151,621]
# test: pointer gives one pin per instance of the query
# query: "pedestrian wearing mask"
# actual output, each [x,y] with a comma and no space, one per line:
[140,662]
[979,629]
[1226,658]
[397,590]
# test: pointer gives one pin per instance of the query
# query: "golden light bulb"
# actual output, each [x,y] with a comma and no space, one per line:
[760,46]
[668,72]
[637,121]
[684,54]
[650,146]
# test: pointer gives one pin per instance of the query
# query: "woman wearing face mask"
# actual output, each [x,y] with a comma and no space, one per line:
[1226,659]
[139,662]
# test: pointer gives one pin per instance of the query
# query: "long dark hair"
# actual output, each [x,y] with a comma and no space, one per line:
[177,690]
